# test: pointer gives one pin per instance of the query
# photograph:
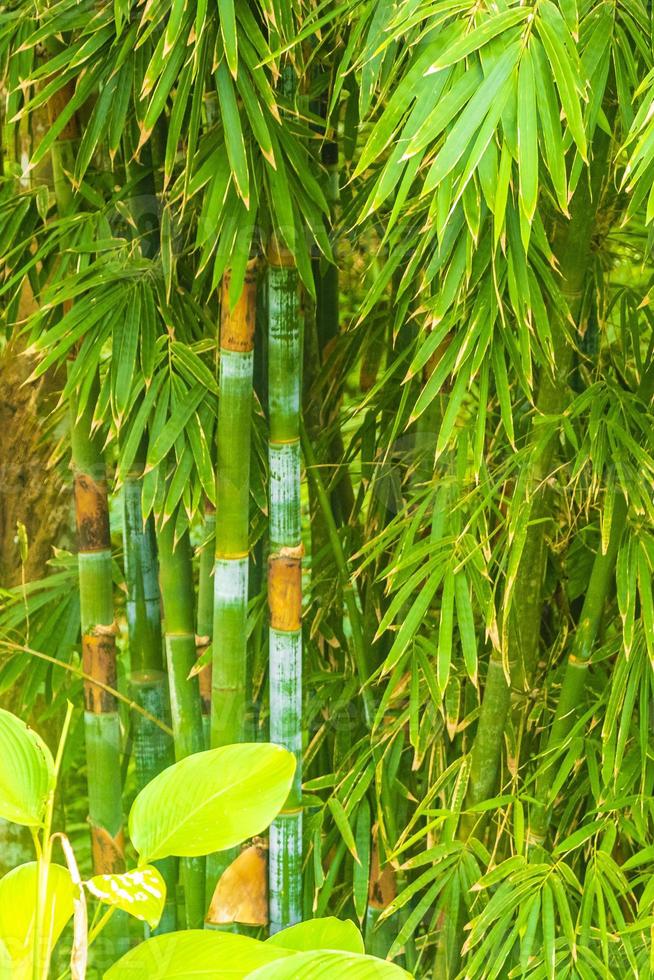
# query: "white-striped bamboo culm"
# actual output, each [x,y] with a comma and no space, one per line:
[101,718]
[229,661]
[284,575]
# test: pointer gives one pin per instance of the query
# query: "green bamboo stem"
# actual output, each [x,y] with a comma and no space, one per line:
[101,718]
[153,747]
[230,602]
[177,593]
[284,576]
[573,250]
[229,679]
[585,638]
[205,614]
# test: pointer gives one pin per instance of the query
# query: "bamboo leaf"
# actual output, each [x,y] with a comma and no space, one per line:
[233,133]
[228,32]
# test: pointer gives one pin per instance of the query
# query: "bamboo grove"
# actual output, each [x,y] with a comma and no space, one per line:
[336,323]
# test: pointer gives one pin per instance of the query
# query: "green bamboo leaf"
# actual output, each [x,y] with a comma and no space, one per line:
[141,892]
[568,86]
[486,101]
[343,824]
[228,32]
[211,801]
[361,870]
[549,932]
[489,28]
[549,116]
[256,117]
[444,657]
[26,772]
[528,937]
[168,436]
[466,623]
[233,133]
[527,138]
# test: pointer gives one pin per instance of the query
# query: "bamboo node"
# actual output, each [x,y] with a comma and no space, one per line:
[237,325]
[278,254]
[104,629]
[108,851]
[285,591]
[286,551]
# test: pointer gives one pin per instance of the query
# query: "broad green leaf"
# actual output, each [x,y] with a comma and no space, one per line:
[17,908]
[26,772]
[211,801]
[195,953]
[329,966]
[329,933]
[141,892]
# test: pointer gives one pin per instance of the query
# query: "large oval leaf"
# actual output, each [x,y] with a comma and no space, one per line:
[211,801]
[326,966]
[26,772]
[142,893]
[328,933]
[17,907]
[195,953]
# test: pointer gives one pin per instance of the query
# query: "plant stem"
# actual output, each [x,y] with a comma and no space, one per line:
[176,582]
[41,957]
[230,605]
[285,575]
[573,250]
[585,637]
[153,748]
[205,614]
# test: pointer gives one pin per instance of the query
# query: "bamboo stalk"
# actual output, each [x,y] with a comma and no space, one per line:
[284,575]
[177,593]
[101,718]
[229,678]
[205,615]
[153,747]
[585,638]
[573,250]
[230,603]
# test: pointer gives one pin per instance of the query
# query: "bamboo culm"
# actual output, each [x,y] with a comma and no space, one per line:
[585,638]
[101,718]
[573,250]
[284,575]
[177,593]
[205,614]
[230,602]
[153,748]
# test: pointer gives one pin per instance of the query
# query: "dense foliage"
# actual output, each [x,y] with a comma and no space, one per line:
[353,298]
